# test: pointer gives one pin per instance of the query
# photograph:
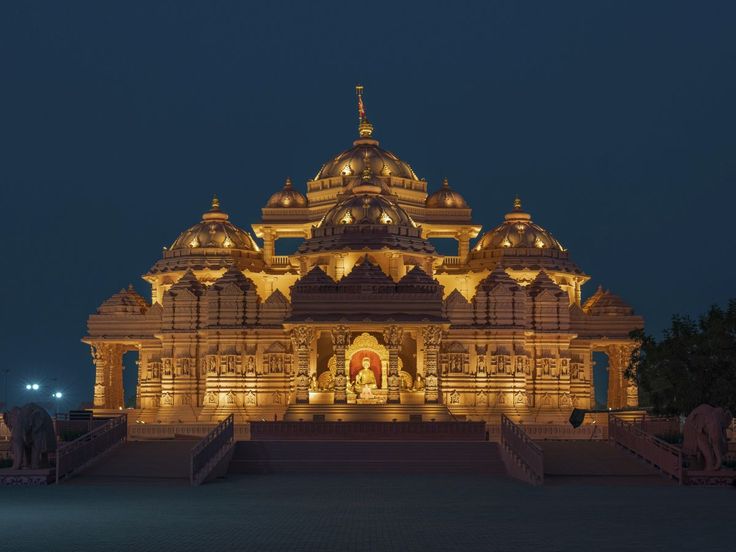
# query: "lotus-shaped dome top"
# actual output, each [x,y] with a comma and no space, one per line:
[446,198]
[214,231]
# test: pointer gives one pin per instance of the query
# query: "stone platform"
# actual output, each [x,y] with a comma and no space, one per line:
[26,478]
[368,412]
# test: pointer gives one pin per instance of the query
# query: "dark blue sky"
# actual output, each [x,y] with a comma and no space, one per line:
[614,121]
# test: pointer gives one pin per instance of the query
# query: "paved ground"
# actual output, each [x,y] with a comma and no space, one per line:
[356,512]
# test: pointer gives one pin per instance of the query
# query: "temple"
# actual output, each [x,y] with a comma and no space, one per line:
[365,312]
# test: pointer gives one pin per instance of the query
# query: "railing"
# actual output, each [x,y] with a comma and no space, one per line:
[280,260]
[453,260]
[210,450]
[524,458]
[140,431]
[661,455]
[555,432]
[76,454]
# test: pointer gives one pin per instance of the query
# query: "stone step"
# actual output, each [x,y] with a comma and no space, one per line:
[367,457]
[162,461]
[591,458]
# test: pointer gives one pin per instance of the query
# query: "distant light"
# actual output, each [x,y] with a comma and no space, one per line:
[28,386]
[58,394]
[33,386]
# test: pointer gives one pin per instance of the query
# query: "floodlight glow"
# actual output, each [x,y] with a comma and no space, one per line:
[58,394]
[28,386]
[35,387]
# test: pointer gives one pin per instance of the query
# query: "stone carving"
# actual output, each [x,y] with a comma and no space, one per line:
[250,398]
[454,397]
[704,436]
[250,366]
[392,336]
[32,436]
[167,399]
[432,336]
[302,337]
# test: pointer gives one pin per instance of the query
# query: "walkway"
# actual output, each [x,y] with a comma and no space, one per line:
[357,512]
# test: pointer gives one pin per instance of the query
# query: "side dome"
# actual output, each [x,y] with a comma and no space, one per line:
[518,232]
[287,197]
[212,244]
[520,244]
[214,231]
[446,198]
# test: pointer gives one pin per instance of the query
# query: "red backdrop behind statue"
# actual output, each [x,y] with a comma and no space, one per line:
[356,364]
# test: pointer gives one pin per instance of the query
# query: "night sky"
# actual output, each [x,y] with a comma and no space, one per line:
[614,122]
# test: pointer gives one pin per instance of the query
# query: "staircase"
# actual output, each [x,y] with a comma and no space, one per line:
[368,412]
[142,461]
[467,457]
[596,462]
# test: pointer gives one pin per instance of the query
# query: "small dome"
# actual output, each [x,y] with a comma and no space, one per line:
[518,232]
[446,198]
[214,232]
[287,197]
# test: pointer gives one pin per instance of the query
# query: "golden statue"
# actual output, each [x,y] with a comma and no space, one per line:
[365,376]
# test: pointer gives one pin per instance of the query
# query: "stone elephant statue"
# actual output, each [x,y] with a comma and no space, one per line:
[32,436]
[704,435]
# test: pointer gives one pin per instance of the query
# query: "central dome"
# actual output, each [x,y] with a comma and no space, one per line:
[366,153]
[365,205]
[366,217]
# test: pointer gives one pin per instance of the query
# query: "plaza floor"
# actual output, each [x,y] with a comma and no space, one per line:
[360,512]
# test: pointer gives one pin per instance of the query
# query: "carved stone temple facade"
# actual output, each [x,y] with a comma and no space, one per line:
[365,311]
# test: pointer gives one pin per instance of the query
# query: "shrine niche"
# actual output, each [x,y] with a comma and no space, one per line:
[277,359]
[455,359]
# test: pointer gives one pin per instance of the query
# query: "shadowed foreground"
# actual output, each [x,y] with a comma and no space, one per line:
[360,512]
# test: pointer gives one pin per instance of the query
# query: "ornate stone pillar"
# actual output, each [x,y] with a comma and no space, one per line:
[340,340]
[339,266]
[108,360]
[100,357]
[392,337]
[269,246]
[301,337]
[622,392]
[463,245]
[432,338]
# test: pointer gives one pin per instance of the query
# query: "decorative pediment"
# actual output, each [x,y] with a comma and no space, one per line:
[277,347]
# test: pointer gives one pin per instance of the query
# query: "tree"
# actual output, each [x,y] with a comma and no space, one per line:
[694,363]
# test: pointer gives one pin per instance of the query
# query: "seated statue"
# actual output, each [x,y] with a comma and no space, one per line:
[365,377]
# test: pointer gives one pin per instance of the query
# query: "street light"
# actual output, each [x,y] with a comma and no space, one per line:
[35,386]
[57,395]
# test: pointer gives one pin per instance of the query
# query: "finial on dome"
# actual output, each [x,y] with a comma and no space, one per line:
[365,128]
[517,203]
[287,184]
[214,213]
[445,183]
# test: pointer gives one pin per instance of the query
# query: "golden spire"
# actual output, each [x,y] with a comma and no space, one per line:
[287,184]
[215,203]
[445,183]
[365,128]
[517,203]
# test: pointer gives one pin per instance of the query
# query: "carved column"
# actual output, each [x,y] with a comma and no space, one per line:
[463,244]
[340,340]
[269,246]
[301,337]
[392,337]
[432,338]
[622,392]
[339,266]
[100,357]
